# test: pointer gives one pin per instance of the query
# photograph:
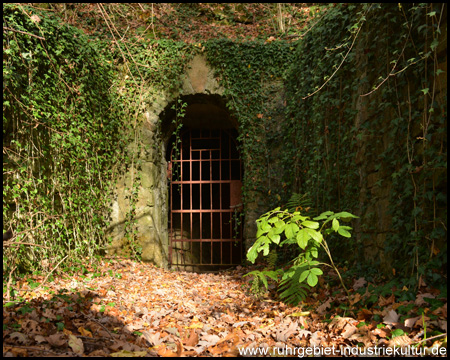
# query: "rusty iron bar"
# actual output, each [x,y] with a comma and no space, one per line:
[205,156]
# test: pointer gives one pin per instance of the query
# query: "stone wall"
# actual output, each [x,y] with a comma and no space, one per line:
[375,178]
[202,93]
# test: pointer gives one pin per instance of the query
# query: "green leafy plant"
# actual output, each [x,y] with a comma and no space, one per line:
[260,278]
[282,227]
[180,112]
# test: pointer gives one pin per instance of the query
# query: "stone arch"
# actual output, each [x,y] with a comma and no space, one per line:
[206,107]
[205,116]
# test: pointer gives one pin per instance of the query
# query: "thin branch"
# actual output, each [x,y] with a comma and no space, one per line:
[23,32]
[340,65]
[9,244]
[391,73]
[430,338]
[307,31]
[45,279]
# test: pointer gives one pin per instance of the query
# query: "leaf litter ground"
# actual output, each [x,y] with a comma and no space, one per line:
[125,308]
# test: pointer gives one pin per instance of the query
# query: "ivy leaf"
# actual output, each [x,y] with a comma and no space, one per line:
[434,44]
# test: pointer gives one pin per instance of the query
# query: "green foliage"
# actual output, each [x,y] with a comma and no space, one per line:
[248,72]
[146,69]
[62,130]
[72,103]
[71,106]
[291,289]
[281,227]
[301,202]
[260,278]
[378,110]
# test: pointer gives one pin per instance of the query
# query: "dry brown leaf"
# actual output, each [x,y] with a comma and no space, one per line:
[338,323]
[386,301]
[354,298]
[400,341]
[193,339]
[359,283]
[76,344]
[84,332]
[382,332]
[323,308]
[420,298]
[391,318]
[348,331]
[57,340]
[411,322]
[364,314]
[154,339]
[21,338]
[364,335]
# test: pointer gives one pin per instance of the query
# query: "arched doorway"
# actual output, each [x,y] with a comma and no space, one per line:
[205,180]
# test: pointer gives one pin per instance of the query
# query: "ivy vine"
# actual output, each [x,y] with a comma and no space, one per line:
[380,119]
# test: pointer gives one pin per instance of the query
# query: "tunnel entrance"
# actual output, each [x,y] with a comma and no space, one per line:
[205,227]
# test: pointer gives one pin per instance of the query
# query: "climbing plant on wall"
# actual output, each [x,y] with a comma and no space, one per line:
[367,112]
[61,137]
[72,109]
[363,123]
[147,69]
[248,72]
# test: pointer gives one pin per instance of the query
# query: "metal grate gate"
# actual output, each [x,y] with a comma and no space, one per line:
[205,201]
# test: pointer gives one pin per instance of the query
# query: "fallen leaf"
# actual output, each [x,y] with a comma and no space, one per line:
[304,333]
[348,331]
[359,283]
[420,299]
[152,338]
[193,339]
[315,338]
[384,302]
[126,353]
[442,325]
[365,314]
[84,332]
[411,321]
[209,340]
[338,323]
[391,318]
[323,308]
[57,340]
[21,338]
[400,341]
[76,344]
[354,298]
[382,332]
